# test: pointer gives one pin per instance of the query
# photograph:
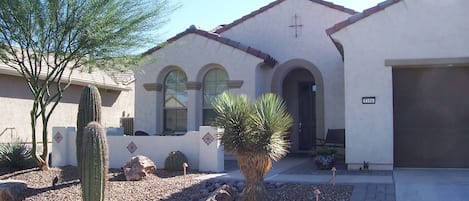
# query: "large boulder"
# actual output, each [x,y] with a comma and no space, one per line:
[223,193]
[10,190]
[138,167]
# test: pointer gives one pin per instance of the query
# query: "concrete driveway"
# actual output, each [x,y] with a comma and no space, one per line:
[431,184]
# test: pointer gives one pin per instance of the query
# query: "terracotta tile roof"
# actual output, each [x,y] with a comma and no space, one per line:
[216,37]
[81,78]
[223,28]
[357,17]
[124,78]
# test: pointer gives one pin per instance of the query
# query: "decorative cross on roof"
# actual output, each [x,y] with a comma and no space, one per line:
[297,25]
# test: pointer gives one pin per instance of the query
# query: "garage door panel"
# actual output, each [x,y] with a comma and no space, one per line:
[439,151]
[431,117]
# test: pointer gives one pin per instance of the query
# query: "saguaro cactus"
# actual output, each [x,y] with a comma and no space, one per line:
[89,109]
[95,163]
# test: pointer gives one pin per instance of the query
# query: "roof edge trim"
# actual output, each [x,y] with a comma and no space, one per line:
[275,3]
[359,16]
[269,60]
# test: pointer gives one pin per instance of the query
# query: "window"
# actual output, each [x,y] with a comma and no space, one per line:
[215,83]
[175,101]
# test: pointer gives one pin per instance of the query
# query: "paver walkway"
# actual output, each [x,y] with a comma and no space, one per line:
[373,192]
[432,184]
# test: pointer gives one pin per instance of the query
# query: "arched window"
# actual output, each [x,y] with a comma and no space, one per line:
[215,83]
[175,101]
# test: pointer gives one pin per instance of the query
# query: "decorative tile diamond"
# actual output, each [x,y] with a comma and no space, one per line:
[208,138]
[132,147]
[58,137]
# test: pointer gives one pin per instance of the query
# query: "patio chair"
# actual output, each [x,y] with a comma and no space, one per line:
[335,138]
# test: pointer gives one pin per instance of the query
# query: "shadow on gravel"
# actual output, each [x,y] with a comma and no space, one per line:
[118,174]
[170,174]
[197,192]
[7,173]
[35,191]
[68,173]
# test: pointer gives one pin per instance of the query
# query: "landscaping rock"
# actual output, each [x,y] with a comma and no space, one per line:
[138,167]
[167,186]
[11,189]
[223,193]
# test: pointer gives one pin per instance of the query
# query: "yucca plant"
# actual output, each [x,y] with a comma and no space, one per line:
[16,155]
[255,133]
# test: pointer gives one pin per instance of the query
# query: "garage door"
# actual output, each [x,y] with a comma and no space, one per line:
[431,117]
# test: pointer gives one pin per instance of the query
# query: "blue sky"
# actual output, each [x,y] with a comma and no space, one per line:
[207,14]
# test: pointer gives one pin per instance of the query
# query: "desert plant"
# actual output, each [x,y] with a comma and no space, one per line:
[95,164]
[174,161]
[325,157]
[89,110]
[16,155]
[255,133]
[325,151]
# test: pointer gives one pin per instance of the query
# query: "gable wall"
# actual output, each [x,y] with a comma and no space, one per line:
[195,55]
[411,29]
[270,32]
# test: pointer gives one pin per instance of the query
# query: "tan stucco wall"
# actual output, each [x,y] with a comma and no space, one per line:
[410,29]
[270,32]
[195,55]
[16,104]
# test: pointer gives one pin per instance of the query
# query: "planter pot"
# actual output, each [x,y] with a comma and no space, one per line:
[325,162]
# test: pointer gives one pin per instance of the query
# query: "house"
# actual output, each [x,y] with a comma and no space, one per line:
[116,89]
[293,57]
[412,56]
[372,73]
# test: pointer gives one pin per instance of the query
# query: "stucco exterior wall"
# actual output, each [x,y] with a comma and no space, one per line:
[410,29]
[16,104]
[195,55]
[202,156]
[270,32]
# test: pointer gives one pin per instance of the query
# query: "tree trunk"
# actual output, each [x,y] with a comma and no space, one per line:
[43,160]
[44,163]
[254,166]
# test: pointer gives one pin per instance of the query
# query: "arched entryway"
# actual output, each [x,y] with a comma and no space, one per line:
[299,92]
[300,84]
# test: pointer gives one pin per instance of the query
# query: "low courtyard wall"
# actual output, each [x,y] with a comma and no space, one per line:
[202,148]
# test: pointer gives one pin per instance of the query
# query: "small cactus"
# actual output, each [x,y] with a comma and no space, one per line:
[175,161]
[95,163]
[89,109]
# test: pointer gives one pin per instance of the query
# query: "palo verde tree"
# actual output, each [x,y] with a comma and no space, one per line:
[46,40]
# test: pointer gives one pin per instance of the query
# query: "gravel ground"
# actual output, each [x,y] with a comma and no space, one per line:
[163,185]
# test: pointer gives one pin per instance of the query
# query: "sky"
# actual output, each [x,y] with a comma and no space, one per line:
[208,14]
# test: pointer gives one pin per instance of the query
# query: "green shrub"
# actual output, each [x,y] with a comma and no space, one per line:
[16,155]
[325,151]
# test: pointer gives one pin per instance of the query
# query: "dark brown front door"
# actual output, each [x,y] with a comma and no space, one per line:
[306,115]
[431,117]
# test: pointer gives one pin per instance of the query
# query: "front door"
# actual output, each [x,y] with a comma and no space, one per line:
[306,115]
